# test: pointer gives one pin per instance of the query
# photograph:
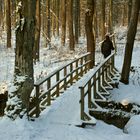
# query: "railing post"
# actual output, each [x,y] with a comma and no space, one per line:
[81,67]
[77,70]
[94,86]
[89,94]
[99,80]
[37,101]
[103,75]
[82,103]
[71,75]
[57,79]
[49,93]
[65,80]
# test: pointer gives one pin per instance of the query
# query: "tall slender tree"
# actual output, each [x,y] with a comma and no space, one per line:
[70,25]
[129,9]
[48,33]
[76,19]
[63,22]
[37,31]
[89,31]
[103,18]
[132,28]
[8,22]
[58,16]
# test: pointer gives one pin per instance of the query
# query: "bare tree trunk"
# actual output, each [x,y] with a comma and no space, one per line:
[1,12]
[70,25]
[8,23]
[58,16]
[130,42]
[37,31]
[89,31]
[111,16]
[103,19]
[129,10]
[48,33]
[24,49]
[76,19]
[63,22]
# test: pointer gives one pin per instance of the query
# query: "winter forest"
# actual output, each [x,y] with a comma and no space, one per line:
[55,80]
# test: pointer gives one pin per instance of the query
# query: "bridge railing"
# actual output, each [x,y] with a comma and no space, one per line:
[96,83]
[57,81]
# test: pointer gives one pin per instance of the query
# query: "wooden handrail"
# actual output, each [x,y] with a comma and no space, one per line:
[97,81]
[57,80]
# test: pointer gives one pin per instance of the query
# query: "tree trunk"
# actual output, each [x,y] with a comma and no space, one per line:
[63,22]
[103,19]
[130,42]
[24,49]
[1,12]
[77,19]
[48,33]
[89,31]
[37,31]
[8,23]
[70,24]
[129,10]
[57,14]
[111,16]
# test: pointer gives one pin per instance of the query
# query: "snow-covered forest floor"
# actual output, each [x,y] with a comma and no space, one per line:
[58,121]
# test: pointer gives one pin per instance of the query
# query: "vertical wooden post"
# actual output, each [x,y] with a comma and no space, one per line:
[94,86]
[81,67]
[77,70]
[82,103]
[99,80]
[49,93]
[65,80]
[85,70]
[89,94]
[103,74]
[71,75]
[37,101]
[57,79]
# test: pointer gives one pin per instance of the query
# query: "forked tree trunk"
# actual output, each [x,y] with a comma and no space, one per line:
[89,31]
[130,42]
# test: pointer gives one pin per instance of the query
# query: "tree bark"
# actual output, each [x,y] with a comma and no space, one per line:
[103,19]
[70,25]
[37,31]
[25,34]
[48,32]
[129,10]
[63,22]
[130,42]
[77,20]
[8,23]
[58,16]
[89,31]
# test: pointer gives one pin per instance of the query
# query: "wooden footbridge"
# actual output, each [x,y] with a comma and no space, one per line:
[93,88]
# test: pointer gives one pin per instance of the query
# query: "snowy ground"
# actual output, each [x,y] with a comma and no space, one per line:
[58,121]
